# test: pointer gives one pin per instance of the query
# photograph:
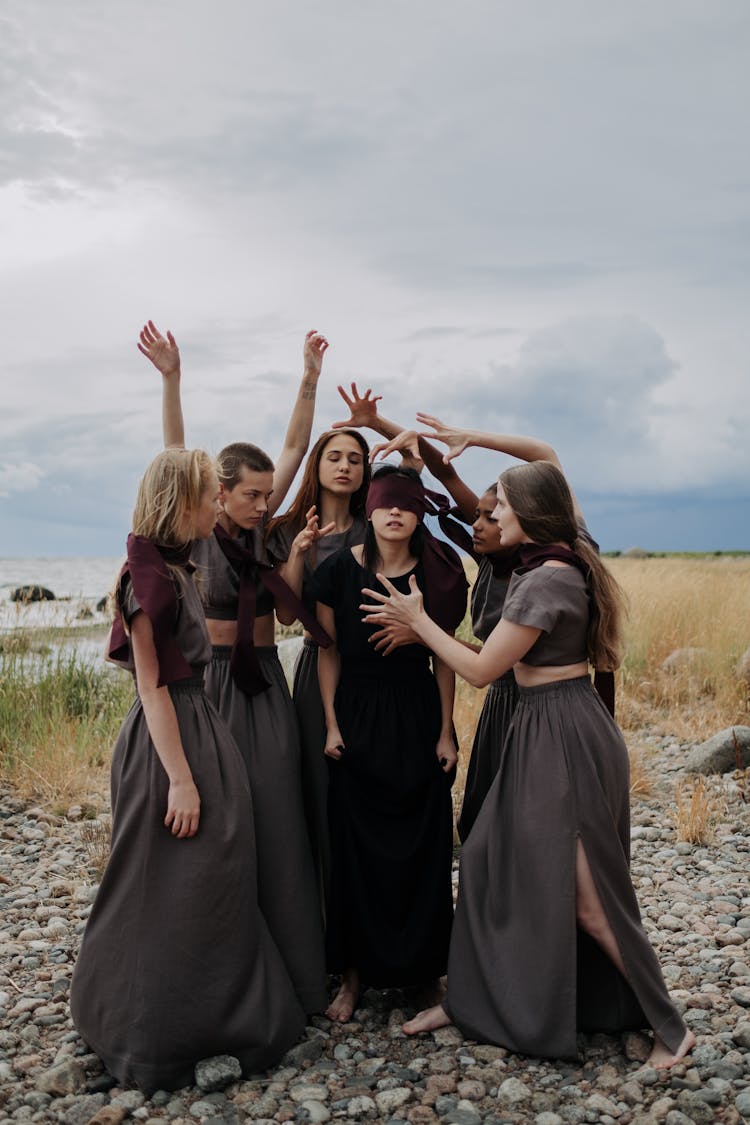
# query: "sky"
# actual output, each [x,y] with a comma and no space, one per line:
[524,216]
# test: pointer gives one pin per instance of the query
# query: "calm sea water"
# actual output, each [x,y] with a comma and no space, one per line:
[78,584]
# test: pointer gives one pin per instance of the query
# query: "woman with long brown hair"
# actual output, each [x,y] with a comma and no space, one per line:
[552,942]
[331,497]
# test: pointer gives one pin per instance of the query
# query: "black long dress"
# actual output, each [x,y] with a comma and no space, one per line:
[177,962]
[389,803]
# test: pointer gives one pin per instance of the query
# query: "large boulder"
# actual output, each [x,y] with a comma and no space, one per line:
[691,658]
[31,594]
[634,553]
[720,753]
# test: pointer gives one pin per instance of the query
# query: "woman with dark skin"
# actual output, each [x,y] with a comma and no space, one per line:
[553,941]
[244,677]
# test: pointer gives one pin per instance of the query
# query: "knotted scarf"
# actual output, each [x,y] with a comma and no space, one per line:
[246,670]
[155,591]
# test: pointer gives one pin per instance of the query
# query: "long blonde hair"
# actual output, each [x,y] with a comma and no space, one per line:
[170,490]
[541,499]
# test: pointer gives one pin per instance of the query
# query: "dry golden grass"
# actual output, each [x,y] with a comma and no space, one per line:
[698,809]
[97,838]
[679,603]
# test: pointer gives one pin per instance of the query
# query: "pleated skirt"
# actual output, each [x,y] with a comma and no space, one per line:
[176,962]
[521,975]
[489,737]
[265,729]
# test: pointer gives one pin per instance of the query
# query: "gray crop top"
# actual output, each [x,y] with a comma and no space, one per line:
[554,599]
[190,625]
[218,582]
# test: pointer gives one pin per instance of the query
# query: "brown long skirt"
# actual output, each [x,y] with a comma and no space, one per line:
[489,738]
[265,729]
[177,963]
[520,974]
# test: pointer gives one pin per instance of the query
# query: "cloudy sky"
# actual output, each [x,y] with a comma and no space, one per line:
[520,216]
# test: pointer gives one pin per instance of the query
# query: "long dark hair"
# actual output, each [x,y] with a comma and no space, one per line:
[308,492]
[540,497]
[370,553]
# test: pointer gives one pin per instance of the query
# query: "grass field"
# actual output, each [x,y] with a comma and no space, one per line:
[59,716]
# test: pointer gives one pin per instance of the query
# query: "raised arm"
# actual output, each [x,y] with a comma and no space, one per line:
[165,356]
[297,440]
[183,800]
[514,445]
[363,412]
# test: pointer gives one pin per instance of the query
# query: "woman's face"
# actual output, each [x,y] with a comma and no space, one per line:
[247,502]
[485,530]
[511,532]
[204,517]
[393,525]
[342,465]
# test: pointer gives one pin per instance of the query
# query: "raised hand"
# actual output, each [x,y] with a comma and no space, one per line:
[456,440]
[404,609]
[315,348]
[363,409]
[163,352]
[406,443]
[310,533]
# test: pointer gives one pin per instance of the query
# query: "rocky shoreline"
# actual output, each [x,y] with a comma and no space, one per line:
[695,901]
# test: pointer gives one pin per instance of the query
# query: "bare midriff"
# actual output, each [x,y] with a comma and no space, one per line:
[528,675]
[225,632]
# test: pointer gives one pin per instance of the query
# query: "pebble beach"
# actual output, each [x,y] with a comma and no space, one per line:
[695,901]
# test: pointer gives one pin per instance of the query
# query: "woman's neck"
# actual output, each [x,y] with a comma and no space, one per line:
[335,509]
[394,558]
[229,525]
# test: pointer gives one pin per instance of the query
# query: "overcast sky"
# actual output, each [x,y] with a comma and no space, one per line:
[521,216]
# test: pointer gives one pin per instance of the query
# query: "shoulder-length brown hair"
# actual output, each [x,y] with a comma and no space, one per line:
[540,497]
[308,492]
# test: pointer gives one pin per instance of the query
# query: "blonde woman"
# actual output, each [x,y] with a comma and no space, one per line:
[177,963]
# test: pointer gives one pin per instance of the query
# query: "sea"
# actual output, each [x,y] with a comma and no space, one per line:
[78,584]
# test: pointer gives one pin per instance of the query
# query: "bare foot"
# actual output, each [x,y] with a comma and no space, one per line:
[341,1008]
[661,1058]
[429,1020]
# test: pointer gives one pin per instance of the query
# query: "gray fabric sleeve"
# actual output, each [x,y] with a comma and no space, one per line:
[531,600]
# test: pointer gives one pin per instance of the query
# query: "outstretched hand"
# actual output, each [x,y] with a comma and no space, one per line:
[456,440]
[407,444]
[315,348]
[311,533]
[404,609]
[363,409]
[163,352]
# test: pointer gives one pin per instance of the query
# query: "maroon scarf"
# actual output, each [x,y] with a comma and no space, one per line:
[445,577]
[155,591]
[533,555]
[503,562]
[246,670]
